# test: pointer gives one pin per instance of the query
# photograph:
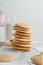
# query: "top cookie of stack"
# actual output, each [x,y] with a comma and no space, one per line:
[22,37]
[21,26]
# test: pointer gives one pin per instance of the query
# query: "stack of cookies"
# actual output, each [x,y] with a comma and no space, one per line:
[23,38]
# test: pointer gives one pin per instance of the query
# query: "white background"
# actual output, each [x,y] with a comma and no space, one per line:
[28,11]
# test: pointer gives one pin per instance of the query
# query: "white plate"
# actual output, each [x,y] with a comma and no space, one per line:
[21,58]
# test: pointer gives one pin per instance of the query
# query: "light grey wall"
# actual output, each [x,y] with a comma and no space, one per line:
[28,11]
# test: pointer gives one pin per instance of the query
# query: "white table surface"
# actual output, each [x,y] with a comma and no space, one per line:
[21,58]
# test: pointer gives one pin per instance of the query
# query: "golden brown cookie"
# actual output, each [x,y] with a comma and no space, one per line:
[20,29]
[23,43]
[22,37]
[6,58]
[23,40]
[7,44]
[23,50]
[21,47]
[21,34]
[22,26]
[24,32]
[37,59]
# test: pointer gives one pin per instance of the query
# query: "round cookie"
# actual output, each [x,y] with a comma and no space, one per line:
[27,31]
[21,34]
[21,47]
[24,32]
[25,46]
[23,50]
[20,29]
[23,40]
[21,25]
[19,37]
[6,58]
[7,44]
[37,59]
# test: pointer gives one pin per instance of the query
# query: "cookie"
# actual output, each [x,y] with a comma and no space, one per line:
[22,37]
[37,59]
[23,45]
[20,29]
[23,40]
[7,44]
[22,26]
[21,34]
[23,50]
[24,32]
[6,58]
